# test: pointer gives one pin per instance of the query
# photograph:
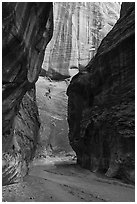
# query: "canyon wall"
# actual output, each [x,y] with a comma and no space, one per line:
[79,28]
[26,30]
[52,106]
[101,103]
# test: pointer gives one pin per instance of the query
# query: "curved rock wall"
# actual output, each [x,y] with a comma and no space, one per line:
[26,30]
[101,103]
[78,31]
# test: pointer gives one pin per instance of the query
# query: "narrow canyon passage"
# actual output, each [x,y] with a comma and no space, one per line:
[68,102]
[60,179]
[54,175]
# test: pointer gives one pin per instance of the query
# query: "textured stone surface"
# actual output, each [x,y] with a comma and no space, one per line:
[52,105]
[101,104]
[26,30]
[79,28]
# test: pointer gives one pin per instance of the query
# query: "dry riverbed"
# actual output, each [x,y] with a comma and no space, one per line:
[60,179]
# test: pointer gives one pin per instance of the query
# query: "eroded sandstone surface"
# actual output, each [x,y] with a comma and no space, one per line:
[101,98]
[26,30]
[79,28]
[101,103]
[52,105]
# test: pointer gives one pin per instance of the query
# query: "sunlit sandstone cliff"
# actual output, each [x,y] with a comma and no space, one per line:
[101,103]
[52,105]
[26,30]
[79,28]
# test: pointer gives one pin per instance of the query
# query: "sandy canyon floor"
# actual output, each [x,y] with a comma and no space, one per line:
[60,179]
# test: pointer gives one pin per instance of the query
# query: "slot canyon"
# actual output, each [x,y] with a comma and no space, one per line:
[68,102]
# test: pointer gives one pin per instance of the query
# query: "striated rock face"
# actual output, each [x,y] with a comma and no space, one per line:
[27,29]
[52,105]
[101,104]
[78,31]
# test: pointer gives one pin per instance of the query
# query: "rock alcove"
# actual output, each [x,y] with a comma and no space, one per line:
[100,96]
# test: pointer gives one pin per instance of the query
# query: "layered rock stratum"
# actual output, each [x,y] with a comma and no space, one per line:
[101,103]
[26,30]
[79,28]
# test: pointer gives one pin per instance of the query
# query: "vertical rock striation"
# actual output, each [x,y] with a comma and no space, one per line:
[27,29]
[52,105]
[101,103]
[78,31]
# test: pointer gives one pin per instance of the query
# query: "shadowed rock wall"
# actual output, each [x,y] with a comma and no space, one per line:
[26,30]
[101,104]
[78,31]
